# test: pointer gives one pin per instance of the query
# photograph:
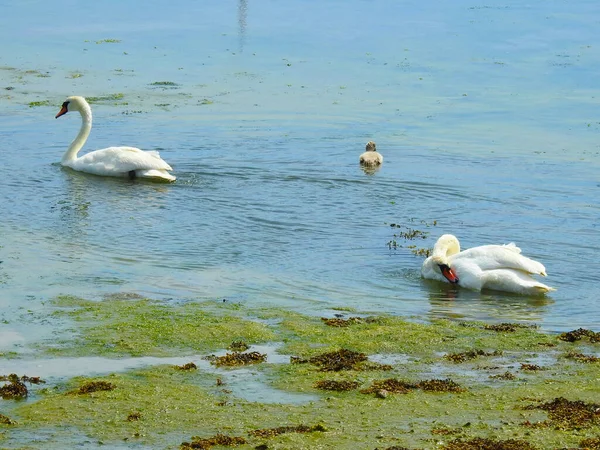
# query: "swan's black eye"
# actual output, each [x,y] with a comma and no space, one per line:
[65,104]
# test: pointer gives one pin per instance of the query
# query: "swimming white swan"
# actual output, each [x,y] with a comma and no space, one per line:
[497,267]
[371,157]
[112,161]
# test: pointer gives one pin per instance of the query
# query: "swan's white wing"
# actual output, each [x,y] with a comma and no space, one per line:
[119,160]
[509,280]
[491,257]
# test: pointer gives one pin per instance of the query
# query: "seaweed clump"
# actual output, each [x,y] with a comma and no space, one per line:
[506,327]
[446,385]
[272,432]
[24,379]
[488,444]
[566,414]
[5,420]
[577,356]
[339,322]
[334,385]
[239,359]
[206,443]
[468,355]
[531,367]
[134,416]
[93,386]
[392,385]
[342,359]
[580,333]
[188,366]
[14,389]
[504,376]
[591,443]
[238,346]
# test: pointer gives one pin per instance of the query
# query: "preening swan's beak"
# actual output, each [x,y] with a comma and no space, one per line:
[62,111]
[448,273]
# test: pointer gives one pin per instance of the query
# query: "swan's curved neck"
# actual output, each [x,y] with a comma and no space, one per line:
[446,248]
[84,132]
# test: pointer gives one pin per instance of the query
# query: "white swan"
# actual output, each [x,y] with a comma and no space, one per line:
[112,161]
[497,267]
[371,157]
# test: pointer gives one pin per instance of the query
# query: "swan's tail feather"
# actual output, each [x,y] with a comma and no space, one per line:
[156,174]
[513,247]
[542,288]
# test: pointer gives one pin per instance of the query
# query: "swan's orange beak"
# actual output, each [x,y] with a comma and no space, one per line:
[62,111]
[449,273]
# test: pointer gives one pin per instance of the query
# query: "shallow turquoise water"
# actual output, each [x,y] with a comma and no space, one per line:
[486,115]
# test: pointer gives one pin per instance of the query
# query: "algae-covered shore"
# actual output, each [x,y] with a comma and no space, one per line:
[271,378]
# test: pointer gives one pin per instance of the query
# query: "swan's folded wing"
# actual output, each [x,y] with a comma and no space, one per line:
[123,159]
[491,257]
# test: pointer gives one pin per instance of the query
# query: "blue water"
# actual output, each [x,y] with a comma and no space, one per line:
[486,114]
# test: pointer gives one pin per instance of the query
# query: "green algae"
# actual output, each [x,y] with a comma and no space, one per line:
[163,83]
[39,103]
[106,98]
[393,335]
[167,402]
[125,326]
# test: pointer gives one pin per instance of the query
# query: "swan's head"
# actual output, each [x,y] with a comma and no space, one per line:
[371,147]
[446,246]
[73,103]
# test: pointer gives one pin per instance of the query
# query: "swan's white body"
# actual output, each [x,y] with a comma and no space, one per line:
[371,157]
[112,161]
[497,267]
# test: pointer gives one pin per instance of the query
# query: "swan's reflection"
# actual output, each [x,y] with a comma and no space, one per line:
[452,302]
[84,193]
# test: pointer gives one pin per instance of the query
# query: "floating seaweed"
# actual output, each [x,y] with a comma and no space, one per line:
[488,444]
[272,432]
[334,385]
[206,443]
[471,354]
[188,366]
[93,386]
[239,359]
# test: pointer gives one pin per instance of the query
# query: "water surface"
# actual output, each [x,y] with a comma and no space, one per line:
[486,114]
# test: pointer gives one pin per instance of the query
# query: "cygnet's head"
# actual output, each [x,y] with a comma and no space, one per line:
[371,147]
[73,103]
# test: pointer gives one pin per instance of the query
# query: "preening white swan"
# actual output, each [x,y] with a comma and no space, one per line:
[497,267]
[371,157]
[112,161]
